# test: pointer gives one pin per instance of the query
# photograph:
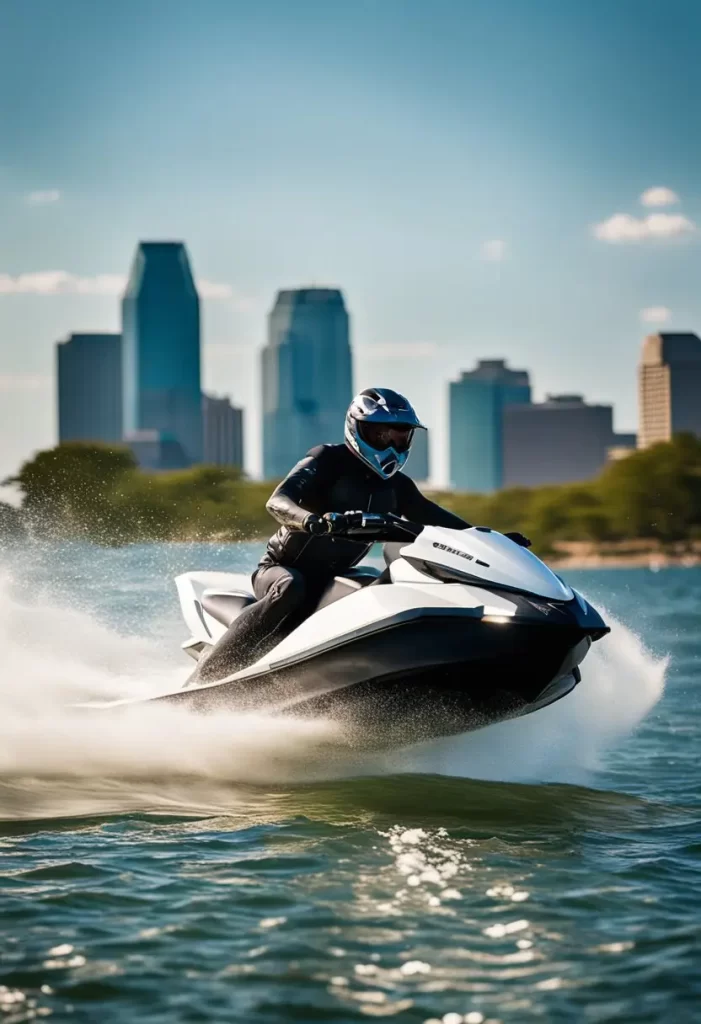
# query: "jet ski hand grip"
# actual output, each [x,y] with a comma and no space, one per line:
[314,524]
[337,523]
[361,524]
[375,524]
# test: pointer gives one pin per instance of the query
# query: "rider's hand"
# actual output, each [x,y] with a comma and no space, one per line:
[519,539]
[336,522]
[315,525]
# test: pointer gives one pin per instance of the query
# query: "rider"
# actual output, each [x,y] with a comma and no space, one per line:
[311,506]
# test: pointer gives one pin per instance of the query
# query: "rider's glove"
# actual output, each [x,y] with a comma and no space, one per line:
[335,522]
[519,539]
[314,524]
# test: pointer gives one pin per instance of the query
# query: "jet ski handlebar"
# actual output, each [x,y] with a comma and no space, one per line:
[380,526]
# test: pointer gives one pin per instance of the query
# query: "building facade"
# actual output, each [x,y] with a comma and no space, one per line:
[477,402]
[622,446]
[559,441]
[222,432]
[156,451]
[161,349]
[669,387]
[89,382]
[307,376]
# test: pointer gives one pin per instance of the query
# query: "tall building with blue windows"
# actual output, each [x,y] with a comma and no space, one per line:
[161,350]
[89,381]
[477,403]
[307,376]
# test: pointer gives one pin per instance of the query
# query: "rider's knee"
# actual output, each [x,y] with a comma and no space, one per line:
[291,589]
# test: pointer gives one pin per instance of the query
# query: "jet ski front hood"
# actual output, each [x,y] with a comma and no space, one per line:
[483,556]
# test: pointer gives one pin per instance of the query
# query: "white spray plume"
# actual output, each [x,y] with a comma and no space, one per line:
[57,761]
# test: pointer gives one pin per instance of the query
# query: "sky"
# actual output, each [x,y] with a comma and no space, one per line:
[482,178]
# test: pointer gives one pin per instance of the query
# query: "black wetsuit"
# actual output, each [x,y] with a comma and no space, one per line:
[297,567]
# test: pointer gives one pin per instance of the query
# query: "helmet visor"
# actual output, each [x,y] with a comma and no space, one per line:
[381,436]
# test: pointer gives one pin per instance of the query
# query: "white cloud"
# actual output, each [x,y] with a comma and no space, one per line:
[61,282]
[212,290]
[13,382]
[494,251]
[236,301]
[623,227]
[655,314]
[50,195]
[659,196]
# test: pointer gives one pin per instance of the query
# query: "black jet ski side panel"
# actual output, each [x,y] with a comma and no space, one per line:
[426,675]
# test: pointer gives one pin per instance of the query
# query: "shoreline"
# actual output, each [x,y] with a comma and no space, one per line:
[597,562]
[625,555]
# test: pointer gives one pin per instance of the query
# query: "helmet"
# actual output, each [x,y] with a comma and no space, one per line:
[380,427]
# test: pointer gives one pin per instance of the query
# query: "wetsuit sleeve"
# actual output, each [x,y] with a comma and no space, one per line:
[301,490]
[419,509]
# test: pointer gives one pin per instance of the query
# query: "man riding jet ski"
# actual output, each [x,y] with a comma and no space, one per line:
[464,627]
[311,504]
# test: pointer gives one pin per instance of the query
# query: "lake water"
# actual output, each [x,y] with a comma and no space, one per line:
[163,867]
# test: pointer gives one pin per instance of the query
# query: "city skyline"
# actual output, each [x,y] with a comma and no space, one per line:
[497,436]
[472,202]
[307,359]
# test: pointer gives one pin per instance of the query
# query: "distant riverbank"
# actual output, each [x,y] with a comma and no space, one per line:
[642,510]
[624,555]
[565,556]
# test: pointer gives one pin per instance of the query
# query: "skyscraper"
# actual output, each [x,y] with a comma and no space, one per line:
[477,402]
[223,432]
[307,375]
[559,441]
[161,349]
[669,387]
[155,450]
[89,380]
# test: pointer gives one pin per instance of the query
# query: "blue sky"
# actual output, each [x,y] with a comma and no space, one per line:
[445,163]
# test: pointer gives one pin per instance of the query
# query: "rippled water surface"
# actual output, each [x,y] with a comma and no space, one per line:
[157,866]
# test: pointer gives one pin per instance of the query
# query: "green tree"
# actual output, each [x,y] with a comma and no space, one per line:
[97,492]
[656,492]
[70,489]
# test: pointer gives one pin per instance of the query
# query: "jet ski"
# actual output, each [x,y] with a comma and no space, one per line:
[463,628]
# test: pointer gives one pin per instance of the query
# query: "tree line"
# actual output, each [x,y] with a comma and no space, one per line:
[98,493]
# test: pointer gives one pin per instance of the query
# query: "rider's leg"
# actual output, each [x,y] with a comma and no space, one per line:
[283,596]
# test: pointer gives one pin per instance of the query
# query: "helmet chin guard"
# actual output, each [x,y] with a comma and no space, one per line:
[380,406]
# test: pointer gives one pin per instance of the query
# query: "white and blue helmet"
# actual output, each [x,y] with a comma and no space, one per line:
[380,427]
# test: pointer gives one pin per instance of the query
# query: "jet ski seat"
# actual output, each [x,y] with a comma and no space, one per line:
[342,586]
[225,606]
